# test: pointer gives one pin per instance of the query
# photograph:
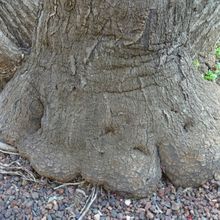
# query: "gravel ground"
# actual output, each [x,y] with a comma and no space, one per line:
[29,200]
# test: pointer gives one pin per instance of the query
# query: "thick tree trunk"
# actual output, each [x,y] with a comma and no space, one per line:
[109,93]
[17,22]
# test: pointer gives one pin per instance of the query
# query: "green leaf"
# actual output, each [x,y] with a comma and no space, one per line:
[217,66]
[217,52]
[210,76]
[196,63]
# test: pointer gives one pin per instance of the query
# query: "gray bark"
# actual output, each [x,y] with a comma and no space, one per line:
[17,22]
[109,93]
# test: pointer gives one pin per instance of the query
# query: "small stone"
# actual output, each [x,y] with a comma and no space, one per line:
[29,204]
[148,205]
[113,214]
[172,197]
[28,211]
[95,211]
[192,212]
[117,204]
[49,206]
[8,213]
[97,216]
[55,205]
[1,177]
[24,182]
[168,212]
[161,192]
[60,191]
[49,217]
[35,195]
[109,208]
[59,214]
[17,179]
[142,216]
[104,203]
[127,202]
[150,215]
[175,206]
[62,207]
[217,176]
[44,218]
[119,216]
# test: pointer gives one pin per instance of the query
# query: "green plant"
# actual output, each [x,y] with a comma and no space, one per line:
[217,52]
[214,72]
[210,75]
[196,63]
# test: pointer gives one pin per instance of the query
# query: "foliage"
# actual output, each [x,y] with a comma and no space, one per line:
[213,73]
[217,52]
[210,75]
[196,63]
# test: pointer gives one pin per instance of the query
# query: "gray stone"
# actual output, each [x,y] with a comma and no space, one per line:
[142,216]
[95,211]
[114,213]
[150,215]
[119,216]
[35,195]
[49,217]
[8,213]
[29,204]
[175,206]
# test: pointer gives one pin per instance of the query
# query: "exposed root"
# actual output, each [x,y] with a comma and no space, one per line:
[8,149]
[69,184]
[92,197]
[15,168]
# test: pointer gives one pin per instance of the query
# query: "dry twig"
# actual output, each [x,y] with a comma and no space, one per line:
[8,149]
[15,168]
[89,203]
[69,184]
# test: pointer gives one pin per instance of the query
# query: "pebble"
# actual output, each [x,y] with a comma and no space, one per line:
[217,176]
[59,214]
[97,217]
[8,213]
[49,206]
[142,216]
[49,217]
[29,204]
[35,195]
[148,205]
[95,211]
[113,214]
[127,202]
[150,215]
[120,216]
[55,205]
[17,201]
[168,212]
[175,206]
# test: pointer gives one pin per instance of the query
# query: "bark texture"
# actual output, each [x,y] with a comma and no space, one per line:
[17,22]
[109,93]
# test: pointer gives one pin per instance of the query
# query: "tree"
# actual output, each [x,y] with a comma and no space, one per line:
[109,91]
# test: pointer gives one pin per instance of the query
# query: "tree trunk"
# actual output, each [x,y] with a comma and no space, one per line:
[17,22]
[109,93]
